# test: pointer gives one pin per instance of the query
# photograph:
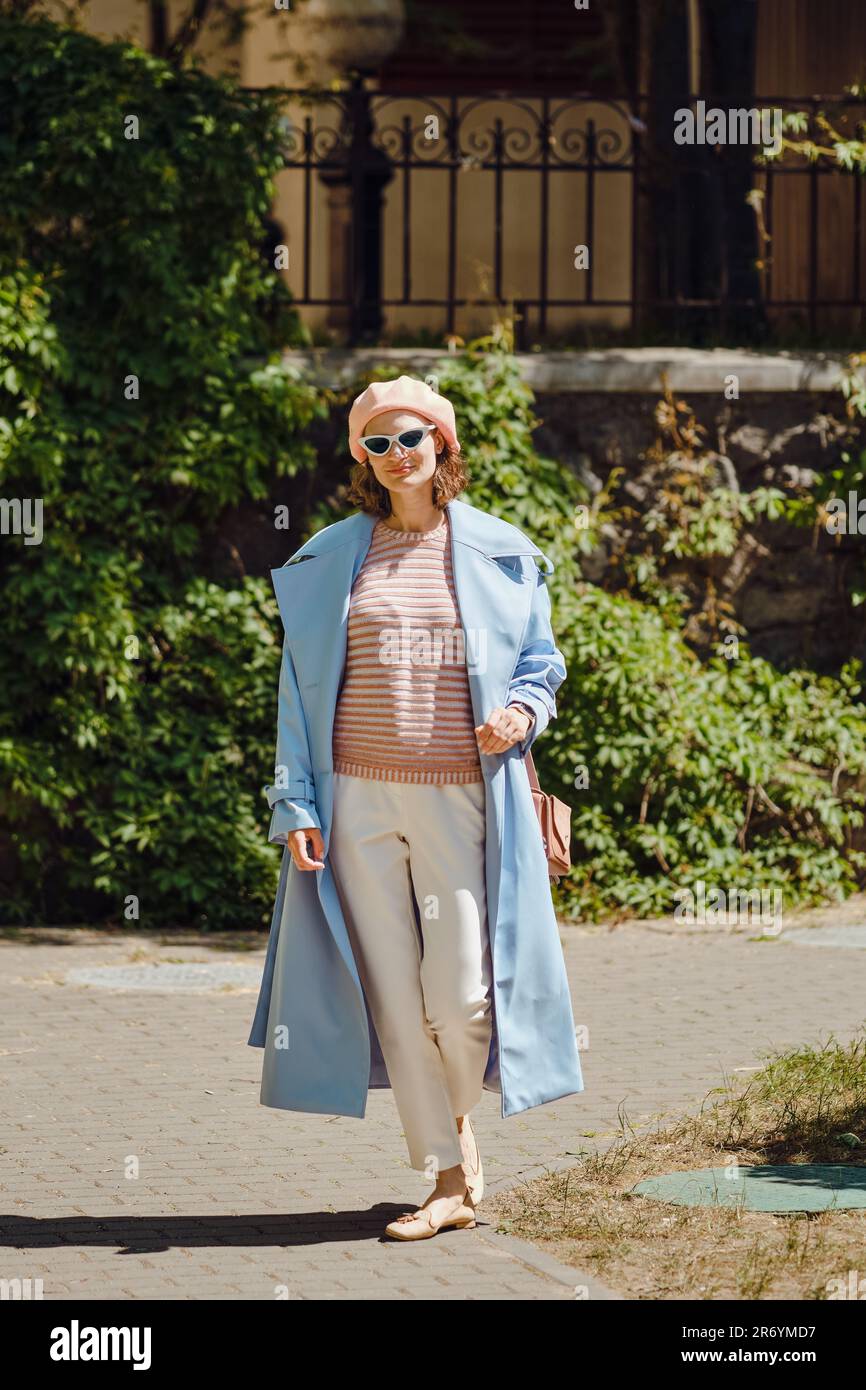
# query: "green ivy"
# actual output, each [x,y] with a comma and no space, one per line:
[138,685]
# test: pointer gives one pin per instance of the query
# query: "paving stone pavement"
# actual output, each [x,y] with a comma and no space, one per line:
[138,1163]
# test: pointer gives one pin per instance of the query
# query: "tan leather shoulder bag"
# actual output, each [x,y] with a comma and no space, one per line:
[554,817]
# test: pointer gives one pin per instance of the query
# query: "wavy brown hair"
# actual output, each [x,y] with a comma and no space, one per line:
[449,479]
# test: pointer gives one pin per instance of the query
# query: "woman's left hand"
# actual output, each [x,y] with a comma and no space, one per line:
[502,729]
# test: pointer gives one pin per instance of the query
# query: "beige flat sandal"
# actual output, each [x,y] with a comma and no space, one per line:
[420,1225]
[473,1170]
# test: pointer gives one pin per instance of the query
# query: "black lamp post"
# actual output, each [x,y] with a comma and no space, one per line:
[359,171]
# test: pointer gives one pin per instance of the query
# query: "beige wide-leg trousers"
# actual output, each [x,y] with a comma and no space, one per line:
[429,991]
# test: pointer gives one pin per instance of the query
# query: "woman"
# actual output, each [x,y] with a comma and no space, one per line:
[414,943]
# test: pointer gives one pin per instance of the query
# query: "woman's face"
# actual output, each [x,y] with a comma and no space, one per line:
[404,470]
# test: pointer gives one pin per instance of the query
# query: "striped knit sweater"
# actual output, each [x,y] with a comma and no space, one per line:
[404,712]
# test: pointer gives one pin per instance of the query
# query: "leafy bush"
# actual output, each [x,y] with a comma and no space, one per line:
[726,772]
[138,402]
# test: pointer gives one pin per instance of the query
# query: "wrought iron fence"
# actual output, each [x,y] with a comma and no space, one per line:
[693,237]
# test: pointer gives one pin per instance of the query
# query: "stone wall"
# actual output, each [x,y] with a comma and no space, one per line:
[788,586]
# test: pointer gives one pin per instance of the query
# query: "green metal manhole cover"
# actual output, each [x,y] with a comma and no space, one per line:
[773,1187]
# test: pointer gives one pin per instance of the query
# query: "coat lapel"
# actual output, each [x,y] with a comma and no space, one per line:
[494,598]
[313,592]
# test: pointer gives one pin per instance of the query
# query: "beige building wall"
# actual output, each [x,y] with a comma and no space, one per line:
[127,20]
[110,19]
[803,48]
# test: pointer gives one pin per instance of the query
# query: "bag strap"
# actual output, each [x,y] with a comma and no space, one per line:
[530,768]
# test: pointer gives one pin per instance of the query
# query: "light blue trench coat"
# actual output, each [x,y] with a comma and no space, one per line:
[321,1052]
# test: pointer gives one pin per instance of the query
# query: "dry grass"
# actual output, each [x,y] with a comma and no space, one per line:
[806,1106]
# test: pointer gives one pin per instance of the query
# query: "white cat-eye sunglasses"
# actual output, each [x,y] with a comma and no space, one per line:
[381,444]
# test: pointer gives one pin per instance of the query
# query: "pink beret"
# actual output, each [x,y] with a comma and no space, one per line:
[404,393]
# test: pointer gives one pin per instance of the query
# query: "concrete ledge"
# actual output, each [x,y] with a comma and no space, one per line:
[605,369]
[539,1260]
[533,1255]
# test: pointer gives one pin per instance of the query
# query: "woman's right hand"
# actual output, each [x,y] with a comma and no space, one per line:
[297,843]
